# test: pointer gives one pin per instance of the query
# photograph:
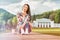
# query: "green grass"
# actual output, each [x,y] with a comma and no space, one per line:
[50,31]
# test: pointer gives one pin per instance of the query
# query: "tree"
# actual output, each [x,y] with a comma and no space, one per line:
[14,22]
[57,17]
[52,16]
[9,24]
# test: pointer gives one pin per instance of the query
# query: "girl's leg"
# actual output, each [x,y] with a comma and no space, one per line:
[27,28]
[26,31]
[22,31]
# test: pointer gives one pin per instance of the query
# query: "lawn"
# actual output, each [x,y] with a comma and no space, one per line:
[50,31]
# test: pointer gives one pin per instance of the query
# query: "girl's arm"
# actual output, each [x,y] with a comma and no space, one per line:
[18,19]
[25,21]
[23,25]
[30,25]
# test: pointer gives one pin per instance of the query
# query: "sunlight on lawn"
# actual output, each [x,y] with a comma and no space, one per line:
[50,31]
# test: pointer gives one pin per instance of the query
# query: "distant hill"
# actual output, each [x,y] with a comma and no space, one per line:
[53,15]
[4,15]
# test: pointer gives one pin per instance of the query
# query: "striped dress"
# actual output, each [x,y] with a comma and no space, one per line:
[21,20]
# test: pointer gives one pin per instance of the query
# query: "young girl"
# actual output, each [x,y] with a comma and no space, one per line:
[24,20]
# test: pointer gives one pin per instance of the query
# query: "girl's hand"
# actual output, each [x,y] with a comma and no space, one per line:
[22,26]
[30,23]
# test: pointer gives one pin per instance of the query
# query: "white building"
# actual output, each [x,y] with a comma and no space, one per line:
[45,23]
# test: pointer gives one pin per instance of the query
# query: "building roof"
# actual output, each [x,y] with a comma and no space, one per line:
[43,20]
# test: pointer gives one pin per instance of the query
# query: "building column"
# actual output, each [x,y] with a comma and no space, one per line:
[42,25]
[45,25]
[48,25]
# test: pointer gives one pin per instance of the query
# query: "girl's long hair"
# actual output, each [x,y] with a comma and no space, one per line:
[28,11]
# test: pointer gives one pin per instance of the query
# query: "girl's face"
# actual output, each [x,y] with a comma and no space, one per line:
[25,8]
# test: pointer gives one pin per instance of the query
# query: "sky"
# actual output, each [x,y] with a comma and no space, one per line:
[37,6]
[7,2]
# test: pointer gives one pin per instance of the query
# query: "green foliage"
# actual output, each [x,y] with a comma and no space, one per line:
[57,17]
[13,22]
[53,15]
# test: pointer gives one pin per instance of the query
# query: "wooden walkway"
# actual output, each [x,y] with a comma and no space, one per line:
[31,36]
